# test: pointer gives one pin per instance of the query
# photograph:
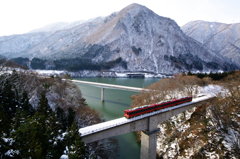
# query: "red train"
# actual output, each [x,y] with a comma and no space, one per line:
[129,113]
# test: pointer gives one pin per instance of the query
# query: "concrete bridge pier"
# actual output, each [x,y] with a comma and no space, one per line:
[148,145]
[102,94]
[149,139]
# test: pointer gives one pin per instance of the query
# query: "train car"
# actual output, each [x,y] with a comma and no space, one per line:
[130,113]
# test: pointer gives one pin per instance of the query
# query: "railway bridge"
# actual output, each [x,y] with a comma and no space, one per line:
[146,123]
[109,86]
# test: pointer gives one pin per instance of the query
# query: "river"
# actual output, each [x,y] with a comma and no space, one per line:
[115,102]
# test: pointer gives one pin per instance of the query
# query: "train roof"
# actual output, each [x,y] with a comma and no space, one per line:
[140,107]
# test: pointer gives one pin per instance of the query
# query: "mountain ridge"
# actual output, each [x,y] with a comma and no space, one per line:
[218,37]
[132,39]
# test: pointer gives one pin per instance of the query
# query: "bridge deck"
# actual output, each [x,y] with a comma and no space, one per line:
[112,86]
[120,121]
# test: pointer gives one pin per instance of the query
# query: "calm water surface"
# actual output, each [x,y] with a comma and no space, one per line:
[115,102]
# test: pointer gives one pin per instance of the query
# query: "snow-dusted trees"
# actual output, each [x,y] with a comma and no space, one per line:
[225,114]
[211,130]
[44,136]
[39,131]
[170,88]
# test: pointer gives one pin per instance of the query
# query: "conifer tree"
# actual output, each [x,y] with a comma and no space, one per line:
[24,110]
[61,117]
[34,136]
[70,117]
[43,107]
[8,99]
[8,104]
[75,145]
[25,105]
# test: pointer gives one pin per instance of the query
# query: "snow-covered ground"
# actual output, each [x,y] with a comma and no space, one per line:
[50,72]
[211,89]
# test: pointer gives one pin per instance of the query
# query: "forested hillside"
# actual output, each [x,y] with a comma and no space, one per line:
[40,118]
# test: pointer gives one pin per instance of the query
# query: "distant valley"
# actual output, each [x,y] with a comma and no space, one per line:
[134,39]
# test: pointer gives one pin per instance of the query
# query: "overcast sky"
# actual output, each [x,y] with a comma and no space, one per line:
[20,16]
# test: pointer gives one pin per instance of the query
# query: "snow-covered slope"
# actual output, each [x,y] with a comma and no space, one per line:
[18,45]
[57,26]
[222,38]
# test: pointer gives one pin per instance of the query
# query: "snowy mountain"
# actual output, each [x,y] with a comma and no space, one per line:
[221,38]
[56,26]
[133,39]
[17,45]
